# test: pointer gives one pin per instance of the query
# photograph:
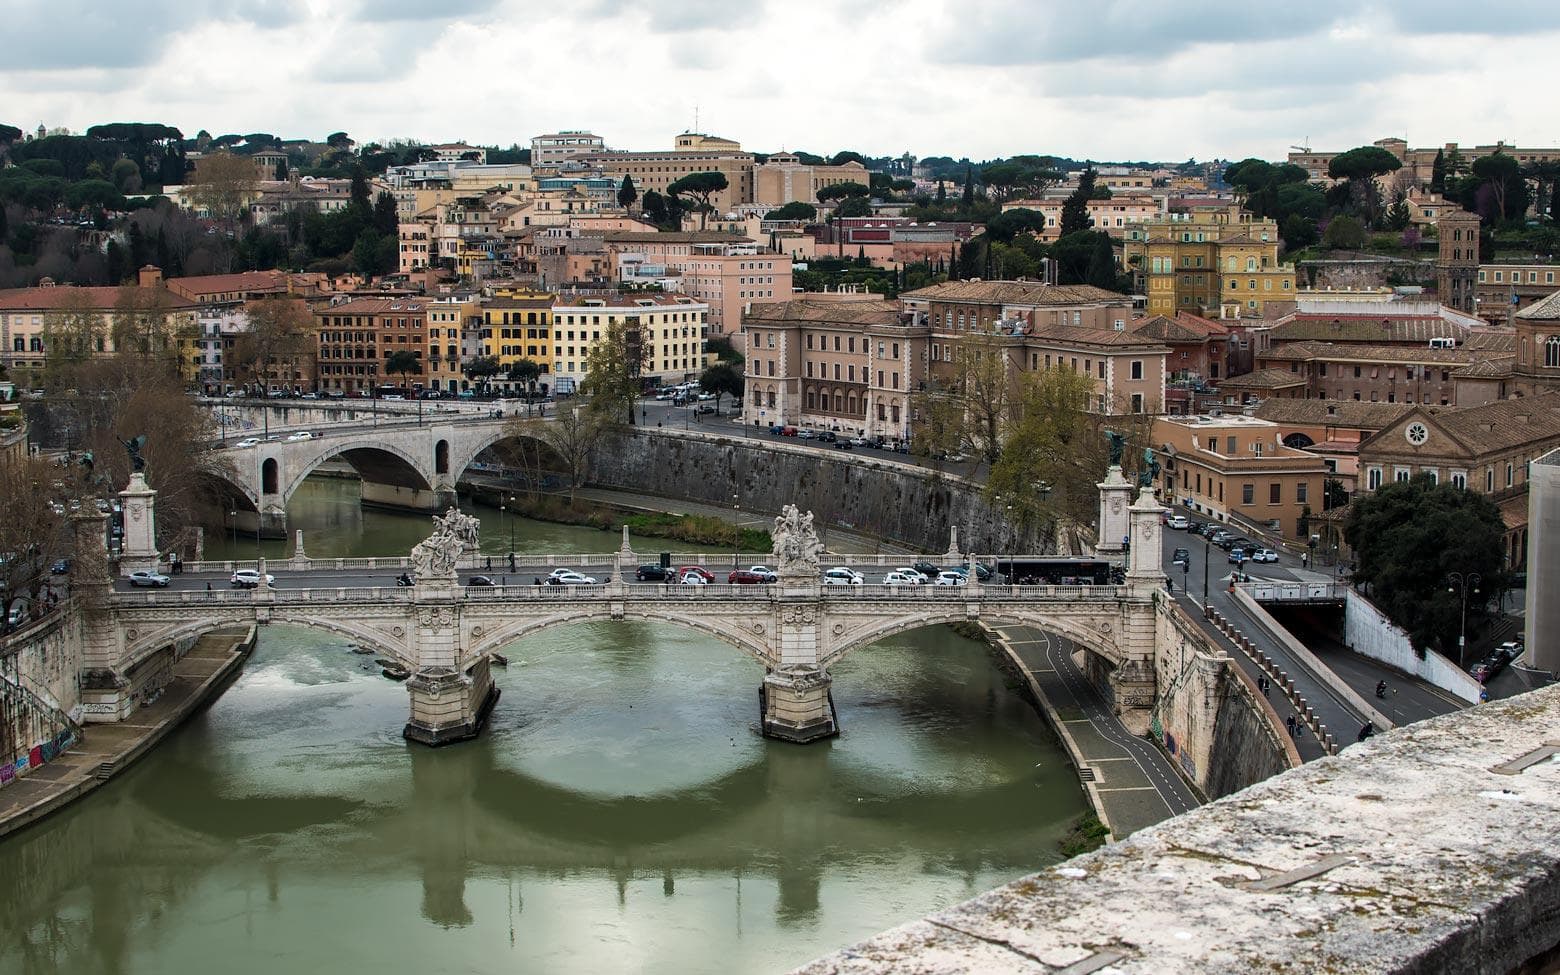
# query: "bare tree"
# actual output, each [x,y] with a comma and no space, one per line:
[73,332]
[223,184]
[984,380]
[571,435]
[278,341]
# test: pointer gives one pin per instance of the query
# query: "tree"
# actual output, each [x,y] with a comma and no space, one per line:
[481,368]
[572,435]
[655,208]
[1102,264]
[722,379]
[854,206]
[73,331]
[360,197]
[223,184]
[701,186]
[1438,173]
[842,191]
[1397,215]
[1297,232]
[386,220]
[613,369]
[937,420]
[1075,210]
[720,346]
[1360,167]
[1502,174]
[969,187]
[525,371]
[983,370]
[845,155]
[795,210]
[1344,232]
[1408,537]
[273,347]
[626,194]
[31,531]
[126,176]
[403,362]
[1052,452]
[144,327]
[339,141]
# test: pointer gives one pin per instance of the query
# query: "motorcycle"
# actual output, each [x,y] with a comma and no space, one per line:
[404,579]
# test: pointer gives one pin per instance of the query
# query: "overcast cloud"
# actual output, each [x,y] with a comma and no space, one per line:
[1110,79]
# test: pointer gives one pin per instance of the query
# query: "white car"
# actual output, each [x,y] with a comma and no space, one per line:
[1178,522]
[146,577]
[919,578]
[768,574]
[568,577]
[249,578]
[901,578]
[693,579]
[300,435]
[949,579]
[841,576]
[1264,555]
[248,442]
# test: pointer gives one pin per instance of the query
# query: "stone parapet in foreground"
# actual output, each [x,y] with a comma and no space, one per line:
[1434,848]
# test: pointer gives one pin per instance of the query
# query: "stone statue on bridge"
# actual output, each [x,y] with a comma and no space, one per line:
[434,557]
[797,546]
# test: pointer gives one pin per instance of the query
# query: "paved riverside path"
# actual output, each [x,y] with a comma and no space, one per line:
[1134,783]
[106,750]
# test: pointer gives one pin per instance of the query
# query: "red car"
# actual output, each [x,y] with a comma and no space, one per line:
[697,570]
[746,577]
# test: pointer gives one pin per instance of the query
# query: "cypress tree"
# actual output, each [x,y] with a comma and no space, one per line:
[627,194]
[969,186]
[1438,173]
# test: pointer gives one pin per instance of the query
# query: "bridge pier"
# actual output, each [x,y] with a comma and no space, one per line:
[797,705]
[449,705]
[377,495]
[269,524]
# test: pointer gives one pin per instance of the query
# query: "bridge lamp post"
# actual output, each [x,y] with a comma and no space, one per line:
[736,528]
[1207,557]
[511,528]
[1463,585]
[234,516]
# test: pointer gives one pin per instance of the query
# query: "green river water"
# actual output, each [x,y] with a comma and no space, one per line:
[620,814]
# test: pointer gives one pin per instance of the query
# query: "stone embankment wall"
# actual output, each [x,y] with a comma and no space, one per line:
[859,490]
[1368,632]
[1210,717]
[1428,849]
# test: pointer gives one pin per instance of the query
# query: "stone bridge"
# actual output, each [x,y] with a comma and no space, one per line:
[445,635]
[404,463]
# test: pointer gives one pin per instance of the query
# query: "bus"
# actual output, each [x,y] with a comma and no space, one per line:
[1060,572]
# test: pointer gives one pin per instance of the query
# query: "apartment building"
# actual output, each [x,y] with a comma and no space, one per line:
[555,148]
[517,324]
[355,338]
[783,178]
[672,328]
[28,314]
[691,152]
[1208,257]
[1332,429]
[1502,290]
[1419,164]
[1116,216]
[1537,364]
[959,306]
[726,272]
[448,319]
[1238,468]
[1198,346]
[1374,373]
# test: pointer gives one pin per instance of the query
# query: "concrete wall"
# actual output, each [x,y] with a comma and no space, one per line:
[1543,563]
[1429,849]
[853,490]
[1368,633]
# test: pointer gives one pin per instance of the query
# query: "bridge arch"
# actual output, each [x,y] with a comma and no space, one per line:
[1078,630]
[381,460]
[723,629]
[144,645]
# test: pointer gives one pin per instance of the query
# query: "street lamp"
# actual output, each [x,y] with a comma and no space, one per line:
[736,533]
[1463,585]
[511,528]
[1207,557]
[234,516]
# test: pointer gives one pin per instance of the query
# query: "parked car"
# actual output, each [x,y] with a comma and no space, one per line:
[1491,665]
[249,579]
[479,581]
[704,409]
[697,570]
[568,577]
[949,579]
[300,435]
[1181,557]
[768,574]
[862,442]
[745,577]
[928,569]
[651,572]
[1196,527]
[897,578]
[805,435]
[982,571]
[693,579]
[1264,555]
[921,578]
[1178,523]
[146,577]
[1511,650]
[841,576]
[1237,555]
[247,442]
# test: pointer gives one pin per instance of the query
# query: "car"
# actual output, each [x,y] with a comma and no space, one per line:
[949,579]
[928,569]
[1237,555]
[101,504]
[744,577]
[1178,523]
[1196,527]
[827,436]
[249,579]
[841,576]
[693,579]
[1511,650]
[60,567]
[568,577]
[843,445]
[1182,556]
[309,396]
[769,575]
[146,577]
[897,578]
[247,442]
[1227,542]
[982,571]
[921,578]
[698,570]
[652,572]
[704,409]
[1492,664]
[479,581]
[862,442]
[664,394]
[805,435]
[706,396]
[1264,555]
[300,435]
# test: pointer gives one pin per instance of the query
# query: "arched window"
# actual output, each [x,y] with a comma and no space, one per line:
[1552,352]
[441,457]
[268,476]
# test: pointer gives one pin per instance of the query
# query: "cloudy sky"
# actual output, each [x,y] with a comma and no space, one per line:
[1109,79]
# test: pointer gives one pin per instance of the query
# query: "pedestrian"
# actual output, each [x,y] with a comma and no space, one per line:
[208,586]
[1289,723]
[490,561]
[511,561]
[536,580]
[1381,689]
[1366,731]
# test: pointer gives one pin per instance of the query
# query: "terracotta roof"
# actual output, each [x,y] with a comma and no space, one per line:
[1514,511]
[374,306]
[208,284]
[1491,427]
[1077,336]
[1171,329]
[1304,327]
[1491,340]
[1486,369]
[1543,310]
[1264,379]
[1013,293]
[825,312]
[1209,325]
[1306,351]
[1356,414]
[666,236]
[59,296]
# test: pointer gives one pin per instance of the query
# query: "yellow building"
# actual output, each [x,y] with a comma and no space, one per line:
[446,318]
[517,324]
[1209,258]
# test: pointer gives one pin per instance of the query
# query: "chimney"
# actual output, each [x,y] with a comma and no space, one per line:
[149,276]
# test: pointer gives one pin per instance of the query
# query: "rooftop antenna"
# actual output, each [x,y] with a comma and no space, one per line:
[695,117]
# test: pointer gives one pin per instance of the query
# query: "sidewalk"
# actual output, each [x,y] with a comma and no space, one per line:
[105,750]
[1129,781]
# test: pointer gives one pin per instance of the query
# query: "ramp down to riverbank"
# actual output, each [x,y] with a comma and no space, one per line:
[105,750]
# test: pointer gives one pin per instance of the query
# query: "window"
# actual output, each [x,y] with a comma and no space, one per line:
[1401,474]
[1302,492]
[1137,368]
[1510,474]
[1275,493]
[1373,478]
[1248,493]
[1460,480]
[1552,352]
[1489,479]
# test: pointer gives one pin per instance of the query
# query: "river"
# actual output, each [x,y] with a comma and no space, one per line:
[621,813]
